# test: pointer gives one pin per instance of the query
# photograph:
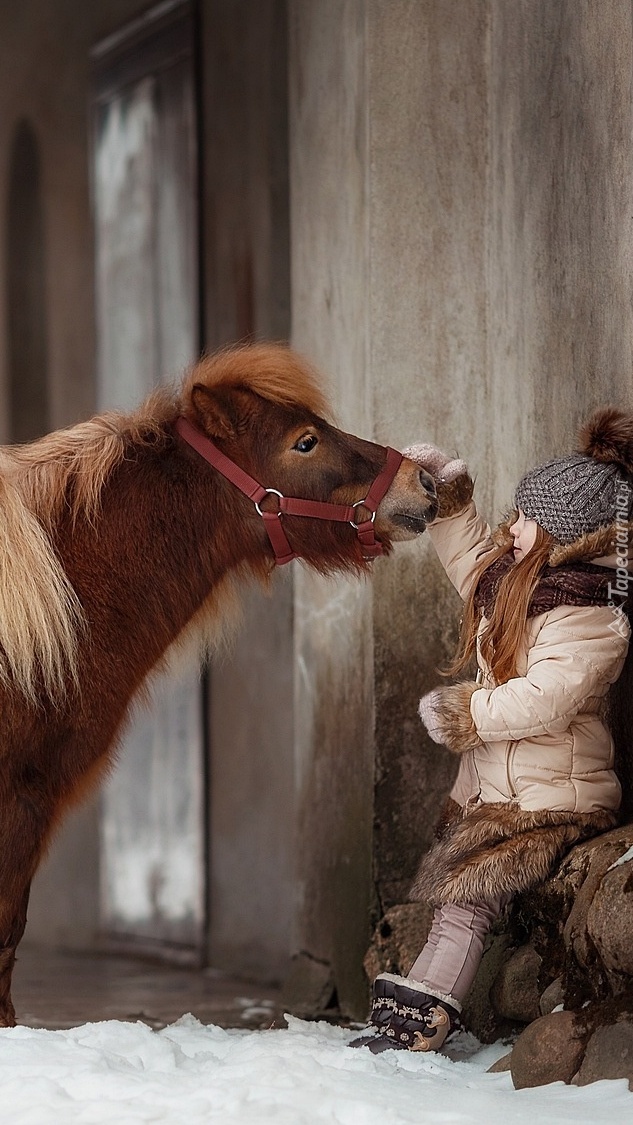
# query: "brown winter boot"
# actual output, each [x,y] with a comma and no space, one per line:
[383,1005]
[421,1021]
[418,1021]
[405,1017]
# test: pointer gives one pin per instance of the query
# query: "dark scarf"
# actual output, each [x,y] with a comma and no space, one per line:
[575,584]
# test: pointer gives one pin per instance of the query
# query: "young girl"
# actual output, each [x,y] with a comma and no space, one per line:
[544,615]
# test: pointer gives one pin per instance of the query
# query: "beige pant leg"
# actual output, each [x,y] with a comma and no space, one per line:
[449,961]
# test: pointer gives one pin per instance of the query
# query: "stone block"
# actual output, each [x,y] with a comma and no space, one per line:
[309,987]
[478,1013]
[609,1054]
[398,938]
[610,919]
[552,997]
[597,855]
[549,1050]
[515,992]
[503,1064]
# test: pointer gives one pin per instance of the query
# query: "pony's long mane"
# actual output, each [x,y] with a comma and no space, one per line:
[65,472]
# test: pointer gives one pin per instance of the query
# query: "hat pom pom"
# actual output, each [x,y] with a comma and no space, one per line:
[608,438]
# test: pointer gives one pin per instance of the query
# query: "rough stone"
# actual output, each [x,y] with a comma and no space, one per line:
[610,919]
[549,1050]
[557,915]
[398,938]
[609,1054]
[552,997]
[501,1065]
[309,987]
[515,992]
[599,854]
[477,1013]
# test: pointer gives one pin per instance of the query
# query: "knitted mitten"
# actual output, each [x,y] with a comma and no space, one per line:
[440,465]
[446,715]
[430,716]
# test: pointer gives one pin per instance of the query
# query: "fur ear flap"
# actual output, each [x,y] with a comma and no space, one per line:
[608,438]
[213,409]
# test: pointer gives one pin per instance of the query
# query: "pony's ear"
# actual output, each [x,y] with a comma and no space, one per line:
[214,411]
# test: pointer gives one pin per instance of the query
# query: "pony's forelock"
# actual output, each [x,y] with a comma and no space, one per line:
[272,371]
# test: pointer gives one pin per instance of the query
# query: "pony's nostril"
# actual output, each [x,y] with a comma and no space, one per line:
[427,482]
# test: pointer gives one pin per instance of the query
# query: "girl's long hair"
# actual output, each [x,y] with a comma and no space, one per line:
[501,639]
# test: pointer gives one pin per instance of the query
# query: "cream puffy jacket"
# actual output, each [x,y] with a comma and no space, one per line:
[545,745]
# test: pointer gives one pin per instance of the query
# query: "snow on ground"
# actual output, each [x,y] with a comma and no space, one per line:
[626,858]
[187,1074]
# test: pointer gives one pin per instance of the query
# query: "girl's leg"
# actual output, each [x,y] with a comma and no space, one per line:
[420,966]
[417,1012]
[449,961]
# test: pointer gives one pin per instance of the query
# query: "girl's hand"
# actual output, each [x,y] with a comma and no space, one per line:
[446,715]
[454,484]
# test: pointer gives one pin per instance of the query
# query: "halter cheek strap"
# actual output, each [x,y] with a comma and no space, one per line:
[295,506]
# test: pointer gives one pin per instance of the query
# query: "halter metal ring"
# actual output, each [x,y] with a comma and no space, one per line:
[361,504]
[277,493]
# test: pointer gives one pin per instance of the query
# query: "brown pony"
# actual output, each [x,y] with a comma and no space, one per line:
[117,537]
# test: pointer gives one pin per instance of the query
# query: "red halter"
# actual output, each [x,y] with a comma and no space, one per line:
[293,506]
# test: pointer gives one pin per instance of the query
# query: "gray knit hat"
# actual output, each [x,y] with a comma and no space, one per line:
[576,495]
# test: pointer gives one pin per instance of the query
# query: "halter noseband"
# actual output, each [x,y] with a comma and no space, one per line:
[294,506]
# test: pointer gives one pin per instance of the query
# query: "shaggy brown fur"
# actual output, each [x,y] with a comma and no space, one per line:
[117,536]
[459,733]
[595,545]
[608,437]
[453,496]
[449,814]
[500,849]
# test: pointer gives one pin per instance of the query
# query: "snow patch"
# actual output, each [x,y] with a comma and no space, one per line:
[628,855]
[305,1074]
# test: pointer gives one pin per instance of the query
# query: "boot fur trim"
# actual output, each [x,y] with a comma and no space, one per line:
[420,986]
[431,990]
[499,848]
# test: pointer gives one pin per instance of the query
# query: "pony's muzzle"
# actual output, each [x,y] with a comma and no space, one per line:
[428,484]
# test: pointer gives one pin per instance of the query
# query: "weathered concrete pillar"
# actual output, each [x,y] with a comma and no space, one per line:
[387,212]
[462,266]
[560,236]
[334,744]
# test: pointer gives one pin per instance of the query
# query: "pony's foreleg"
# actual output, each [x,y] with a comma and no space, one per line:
[7,961]
[26,815]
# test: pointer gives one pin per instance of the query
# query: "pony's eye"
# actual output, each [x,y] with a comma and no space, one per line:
[305,443]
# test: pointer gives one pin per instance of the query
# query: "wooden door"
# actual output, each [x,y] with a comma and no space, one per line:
[146,247]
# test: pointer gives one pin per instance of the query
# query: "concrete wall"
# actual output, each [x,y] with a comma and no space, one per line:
[461,263]
[44,78]
[560,251]
[460,234]
[44,75]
